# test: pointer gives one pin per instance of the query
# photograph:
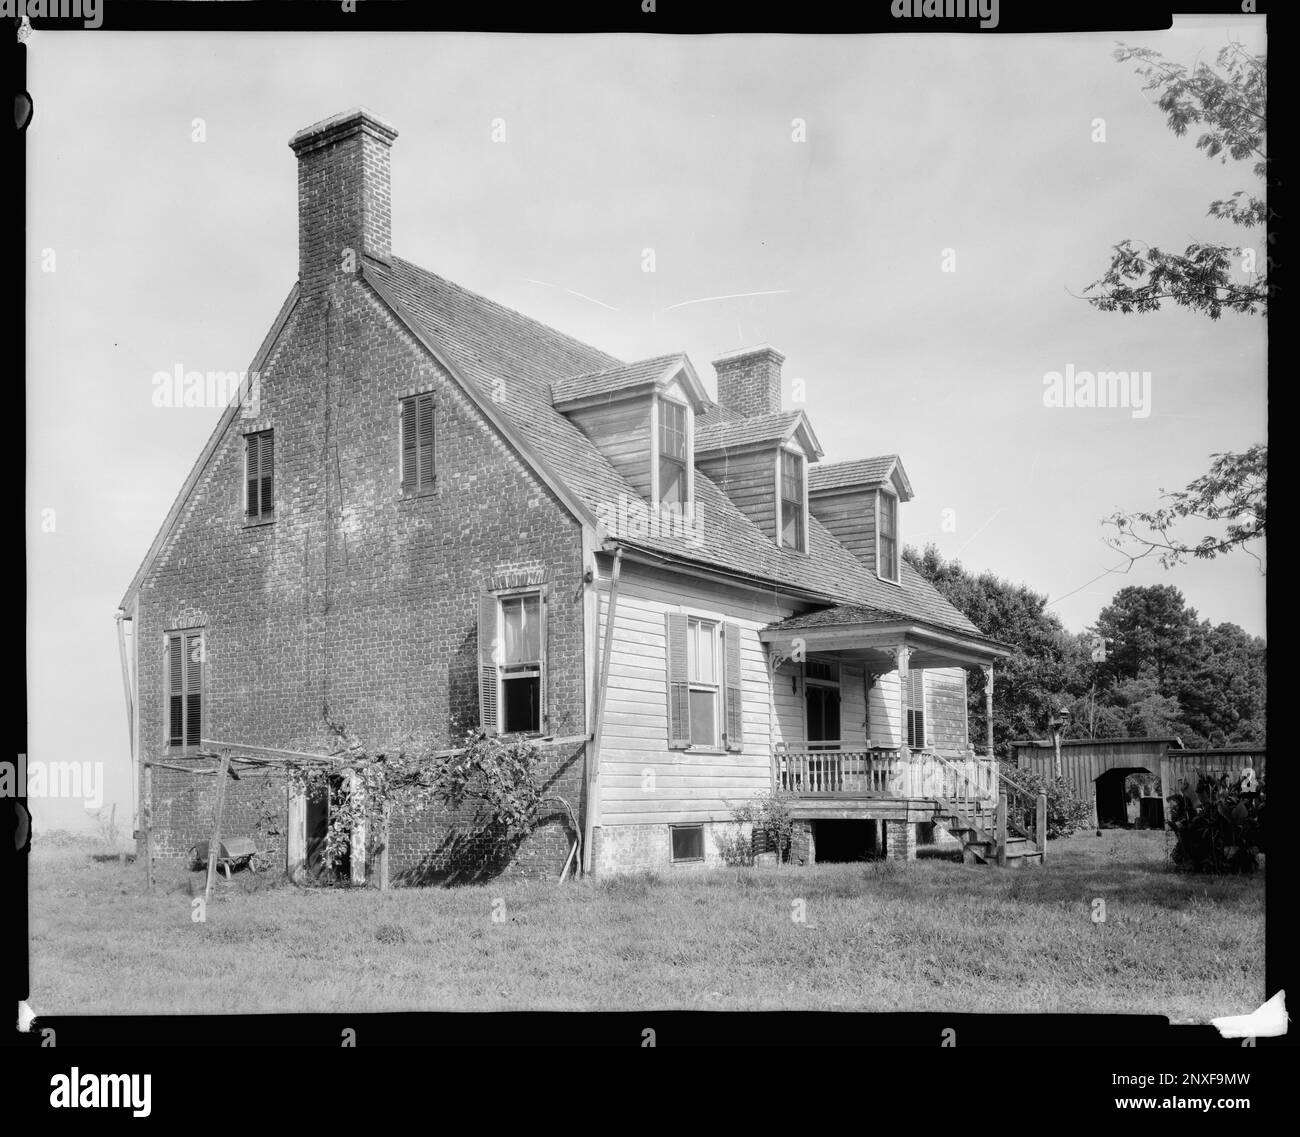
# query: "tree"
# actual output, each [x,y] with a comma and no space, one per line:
[1229,102]
[1148,630]
[1223,691]
[1046,665]
[1235,490]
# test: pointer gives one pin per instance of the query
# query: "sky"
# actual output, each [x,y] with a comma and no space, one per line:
[918,153]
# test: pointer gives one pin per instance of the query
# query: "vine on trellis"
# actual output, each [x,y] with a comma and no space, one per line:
[498,774]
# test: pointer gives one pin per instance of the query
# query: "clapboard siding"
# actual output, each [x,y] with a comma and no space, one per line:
[853,707]
[945,696]
[851,518]
[885,716]
[622,433]
[749,480]
[642,781]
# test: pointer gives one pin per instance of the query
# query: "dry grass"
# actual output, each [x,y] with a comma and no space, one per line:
[929,936]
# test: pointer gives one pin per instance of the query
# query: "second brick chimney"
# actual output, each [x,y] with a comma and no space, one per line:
[343,195]
[749,381]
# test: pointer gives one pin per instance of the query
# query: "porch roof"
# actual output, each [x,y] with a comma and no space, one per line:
[871,635]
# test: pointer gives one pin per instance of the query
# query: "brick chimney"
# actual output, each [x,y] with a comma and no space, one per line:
[343,195]
[749,380]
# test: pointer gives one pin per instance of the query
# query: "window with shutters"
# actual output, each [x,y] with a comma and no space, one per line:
[259,476]
[704,683]
[418,474]
[702,675]
[185,662]
[916,710]
[887,537]
[791,520]
[512,676]
[673,454]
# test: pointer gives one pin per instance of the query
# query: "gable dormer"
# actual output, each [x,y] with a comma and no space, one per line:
[642,416]
[858,502]
[758,454]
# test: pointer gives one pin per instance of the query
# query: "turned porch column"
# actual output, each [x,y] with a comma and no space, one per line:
[988,705]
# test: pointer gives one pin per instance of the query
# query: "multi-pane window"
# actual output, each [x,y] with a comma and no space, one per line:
[702,678]
[672,453]
[916,710]
[259,476]
[705,696]
[887,540]
[521,663]
[417,444]
[792,526]
[184,688]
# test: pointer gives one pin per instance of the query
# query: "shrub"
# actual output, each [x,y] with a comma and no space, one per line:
[1217,827]
[735,846]
[1066,811]
[771,821]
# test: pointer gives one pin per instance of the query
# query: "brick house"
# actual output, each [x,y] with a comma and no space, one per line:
[424,521]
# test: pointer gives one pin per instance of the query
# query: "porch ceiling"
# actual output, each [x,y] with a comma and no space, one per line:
[875,644]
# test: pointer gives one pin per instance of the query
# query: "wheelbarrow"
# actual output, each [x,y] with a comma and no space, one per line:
[235,853]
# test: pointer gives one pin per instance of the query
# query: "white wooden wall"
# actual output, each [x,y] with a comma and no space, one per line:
[642,781]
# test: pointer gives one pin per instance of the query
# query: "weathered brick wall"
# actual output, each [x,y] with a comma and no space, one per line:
[184,808]
[439,846]
[900,840]
[356,598]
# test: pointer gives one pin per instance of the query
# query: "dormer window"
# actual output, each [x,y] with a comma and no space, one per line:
[887,536]
[792,519]
[673,454]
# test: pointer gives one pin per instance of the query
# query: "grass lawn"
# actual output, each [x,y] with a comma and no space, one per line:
[932,935]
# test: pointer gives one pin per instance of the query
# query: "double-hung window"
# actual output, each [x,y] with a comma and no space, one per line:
[512,663]
[672,454]
[792,507]
[887,537]
[705,696]
[702,676]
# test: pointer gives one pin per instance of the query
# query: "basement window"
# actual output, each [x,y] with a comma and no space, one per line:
[687,842]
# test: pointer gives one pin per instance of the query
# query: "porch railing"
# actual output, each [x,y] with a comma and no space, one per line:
[829,768]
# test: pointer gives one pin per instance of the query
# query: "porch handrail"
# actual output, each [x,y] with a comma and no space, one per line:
[985,793]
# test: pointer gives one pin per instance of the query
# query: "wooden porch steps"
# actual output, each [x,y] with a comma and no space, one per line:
[976,830]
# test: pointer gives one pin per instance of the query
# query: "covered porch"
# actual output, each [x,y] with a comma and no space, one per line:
[901,769]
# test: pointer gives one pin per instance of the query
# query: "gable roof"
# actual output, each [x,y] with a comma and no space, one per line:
[177,510]
[487,347]
[627,377]
[860,472]
[498,349]
[732,434]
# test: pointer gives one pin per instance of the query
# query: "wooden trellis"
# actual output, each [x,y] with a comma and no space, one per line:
[230,753]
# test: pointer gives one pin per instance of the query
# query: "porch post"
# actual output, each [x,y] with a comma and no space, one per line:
[988,705]
[903,656]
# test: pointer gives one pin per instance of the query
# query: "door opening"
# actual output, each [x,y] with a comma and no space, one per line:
[322,804]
